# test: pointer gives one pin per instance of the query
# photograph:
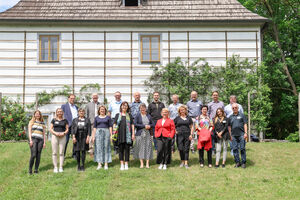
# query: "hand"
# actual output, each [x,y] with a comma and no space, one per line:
[93,139]
[31,143]
[133,137]
[219,135]
[44,145]
[111,138]
[87,140]
[61,134]
[245,136]
[230,138]
[191,137]
[147,127]
[74,141]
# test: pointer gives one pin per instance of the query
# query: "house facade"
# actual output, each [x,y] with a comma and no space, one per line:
[47,44]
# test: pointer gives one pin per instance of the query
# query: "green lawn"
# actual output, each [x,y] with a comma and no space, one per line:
[273,172]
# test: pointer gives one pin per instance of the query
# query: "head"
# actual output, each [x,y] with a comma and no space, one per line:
[59,113]
[215,95]
[95,97]
[165,113]
[194,95]
[118,96]
[71,99]
[143,108]
[102,110]
[124,107]
[183,110]
[81,112]
[204,109]
[37,116]
[220,112]
[175,98]
[156,96]
[232,99]
[137,96]
[235,108]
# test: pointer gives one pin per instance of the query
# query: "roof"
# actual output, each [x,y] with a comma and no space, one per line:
[113,10]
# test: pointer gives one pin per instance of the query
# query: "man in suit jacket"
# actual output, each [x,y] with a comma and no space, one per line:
[70,113]
[91,111]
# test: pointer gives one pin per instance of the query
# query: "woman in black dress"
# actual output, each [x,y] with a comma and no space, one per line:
[184,131]
[81,131]
[124,127]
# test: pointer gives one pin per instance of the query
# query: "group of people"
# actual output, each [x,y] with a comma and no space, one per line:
[133,127]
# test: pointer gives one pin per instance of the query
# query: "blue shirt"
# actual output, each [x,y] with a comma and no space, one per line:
[212,108]
[114,108]
[228,110]
[194,108]
[237,122]
[173,109]
[135,108]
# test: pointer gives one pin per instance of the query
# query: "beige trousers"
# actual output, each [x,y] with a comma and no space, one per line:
[58,145]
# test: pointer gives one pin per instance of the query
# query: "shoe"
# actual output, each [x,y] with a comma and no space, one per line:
[36,171]
[181,165]
[164,167]
[105,167]
[186,166]
[216,166]
[55,170]
[61,170]
[201,165]
[243,165]
[210,166]
[160,166]
[126,167]
[237,165]
[99,167]
[30,172]
[122,168]
[82,168]
[223,165]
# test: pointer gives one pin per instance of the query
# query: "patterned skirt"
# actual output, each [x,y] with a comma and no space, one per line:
[143,146]
[102,153]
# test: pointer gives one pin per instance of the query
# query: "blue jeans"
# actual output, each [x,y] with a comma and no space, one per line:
[239,143]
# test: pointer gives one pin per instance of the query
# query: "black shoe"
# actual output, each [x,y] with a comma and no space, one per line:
[237,165]
[223,165]
[30,172]
[78,168]
[243,165]
[216,166]
[82,168]
[36,171]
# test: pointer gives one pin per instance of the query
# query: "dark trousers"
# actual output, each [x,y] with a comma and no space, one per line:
[201,156]
[80,154]
[183,144]
[124,150]
[239,143]
[164,146]
[154,138]
[36,151]
[173,143]
[213,143]
[67,141]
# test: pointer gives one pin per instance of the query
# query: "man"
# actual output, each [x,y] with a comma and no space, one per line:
[237,127]
[212,108]
[194,108]
[113,109]
[91,111]
[135,106]
[70,113]
[154,109]
[228,111]
[173,111]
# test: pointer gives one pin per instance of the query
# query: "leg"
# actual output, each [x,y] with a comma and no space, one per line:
[83,154]
[168,151]
[127,152]
[235,146]
[243,149]
[231,147]
[107,149]
[186,151]
[213,143]
[38,155]
[225,144]
[218,151]
[160,149]
[201,156]
[54,143]
[121,152]
[67,141]
[62,143]
[209,157]
[78,159]
[33,151]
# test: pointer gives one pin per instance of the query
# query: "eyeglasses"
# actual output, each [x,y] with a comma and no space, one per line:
[234,108]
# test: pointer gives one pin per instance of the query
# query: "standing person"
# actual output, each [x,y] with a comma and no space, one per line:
[173,109]
[228,110]
[37,140]
[59,128]
[143,145]
[204,126]
[70,113]
[124,126]
[184,132]
[113,110]
[222,135]
[135,106]
[194,107]
[91,111]
[81,131]
[102,134]
[237,127]
[154,109]
[164,132]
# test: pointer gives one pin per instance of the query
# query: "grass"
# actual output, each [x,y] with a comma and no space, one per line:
[273,172]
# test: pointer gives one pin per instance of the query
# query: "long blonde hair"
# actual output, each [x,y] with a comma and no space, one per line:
[33,119]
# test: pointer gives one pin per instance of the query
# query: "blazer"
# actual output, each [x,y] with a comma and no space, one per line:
[68,113]
[139,126]
[166,130]
[90,111]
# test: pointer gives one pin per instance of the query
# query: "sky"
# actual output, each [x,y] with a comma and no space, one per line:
[6,4]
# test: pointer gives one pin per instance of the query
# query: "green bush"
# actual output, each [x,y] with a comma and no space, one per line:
[293,137]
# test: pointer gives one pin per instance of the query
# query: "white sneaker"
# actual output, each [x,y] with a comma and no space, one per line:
[55,170]
[165,167]
[122,168]
[126,167]
[105,167]
[160,166]
[60,170]
[99,167]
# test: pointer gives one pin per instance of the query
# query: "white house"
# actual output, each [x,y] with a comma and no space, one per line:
[45,44]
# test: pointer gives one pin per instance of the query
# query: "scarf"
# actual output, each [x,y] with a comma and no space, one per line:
[128,127]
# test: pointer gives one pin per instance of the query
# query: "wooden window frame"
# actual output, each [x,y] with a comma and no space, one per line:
[49,49]
[150,48]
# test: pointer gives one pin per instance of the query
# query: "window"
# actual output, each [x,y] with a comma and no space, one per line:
[131,2]
[49,48]
[150,49]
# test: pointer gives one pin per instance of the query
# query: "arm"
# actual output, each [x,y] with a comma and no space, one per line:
[132,128]
[29,134]
[246,131]
[192,130]
[137,122]
[172,128]
[151,122]
[88,131]
[52,130]
[94,134]
[44,134]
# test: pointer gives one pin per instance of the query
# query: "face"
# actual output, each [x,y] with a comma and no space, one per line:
[124,107]
[95,98]
[215,96]
[81,113]
[118,96]
[142,109]
[72,99]
[137,97]
[37,115]
[235,108]
[165,113]
[219,113]
[204,110]
[174,99]
[102,111]
[232,100]
[59,113]
[155,96]
[182,111]
[194,96]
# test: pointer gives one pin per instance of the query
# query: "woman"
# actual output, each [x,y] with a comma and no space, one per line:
[164,132]
[37,139]
[204,127]
[143,146]
[222,135]
[102,133]
[184,132]
[124,127]
[59,128]
[81,131]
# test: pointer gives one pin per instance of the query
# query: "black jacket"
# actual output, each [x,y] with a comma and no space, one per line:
[155,110]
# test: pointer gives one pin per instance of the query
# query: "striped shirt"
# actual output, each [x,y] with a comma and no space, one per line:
[37,129]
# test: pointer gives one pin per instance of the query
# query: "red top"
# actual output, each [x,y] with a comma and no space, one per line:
[166,130]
